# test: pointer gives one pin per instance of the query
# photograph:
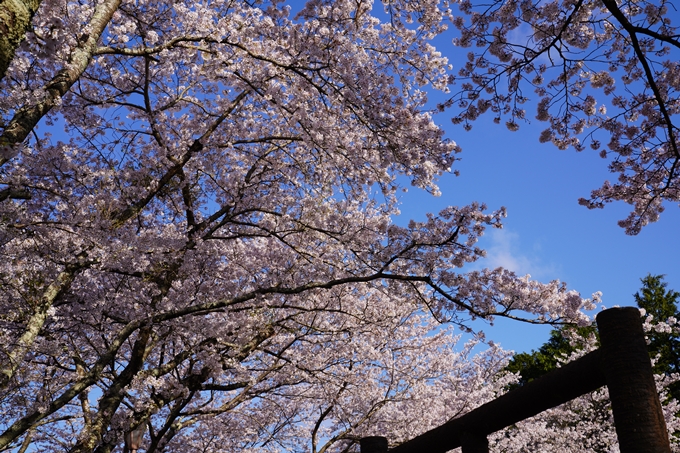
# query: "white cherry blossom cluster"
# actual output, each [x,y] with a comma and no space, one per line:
[196,231]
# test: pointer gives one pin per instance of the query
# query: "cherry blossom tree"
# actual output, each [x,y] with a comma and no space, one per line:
[603,74]
[196,231]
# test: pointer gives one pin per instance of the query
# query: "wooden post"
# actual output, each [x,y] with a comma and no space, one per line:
[640,425]
[373,444]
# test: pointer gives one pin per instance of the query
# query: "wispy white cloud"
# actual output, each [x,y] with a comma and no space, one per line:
[523,35]
[504,249]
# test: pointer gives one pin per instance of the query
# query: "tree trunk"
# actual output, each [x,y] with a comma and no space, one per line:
[15,20]
[28,116]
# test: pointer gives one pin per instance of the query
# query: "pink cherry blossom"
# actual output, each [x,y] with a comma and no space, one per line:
[197,237]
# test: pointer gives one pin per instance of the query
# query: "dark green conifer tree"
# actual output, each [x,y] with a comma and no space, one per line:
[662,304]
[657,301]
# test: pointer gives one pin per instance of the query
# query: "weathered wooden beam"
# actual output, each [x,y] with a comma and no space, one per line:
[471,443]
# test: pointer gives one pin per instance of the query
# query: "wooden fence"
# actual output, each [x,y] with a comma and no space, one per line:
[621,363]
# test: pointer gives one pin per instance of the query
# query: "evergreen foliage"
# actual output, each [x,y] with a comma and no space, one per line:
[662,304]
[664,346]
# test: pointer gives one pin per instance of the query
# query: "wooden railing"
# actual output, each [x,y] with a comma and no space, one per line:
[621,363]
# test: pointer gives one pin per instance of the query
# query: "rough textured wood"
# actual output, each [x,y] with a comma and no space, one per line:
[474,443]
[639,421]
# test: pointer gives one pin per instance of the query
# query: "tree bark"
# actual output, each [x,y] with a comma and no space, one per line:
[15,20]
[36,321]
[27,117]
[114,395]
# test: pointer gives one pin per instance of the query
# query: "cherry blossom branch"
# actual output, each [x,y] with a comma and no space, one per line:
[119,218]
[23,424]
[113,396]
[27,117]
[632,32]
[41,313]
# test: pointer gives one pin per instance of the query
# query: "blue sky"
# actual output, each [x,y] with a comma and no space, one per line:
[547,233]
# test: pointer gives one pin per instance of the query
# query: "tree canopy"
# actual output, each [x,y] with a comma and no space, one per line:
[196,202]
[531,365]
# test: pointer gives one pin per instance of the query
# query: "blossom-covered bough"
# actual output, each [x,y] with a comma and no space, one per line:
[605,74]
[196,233]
